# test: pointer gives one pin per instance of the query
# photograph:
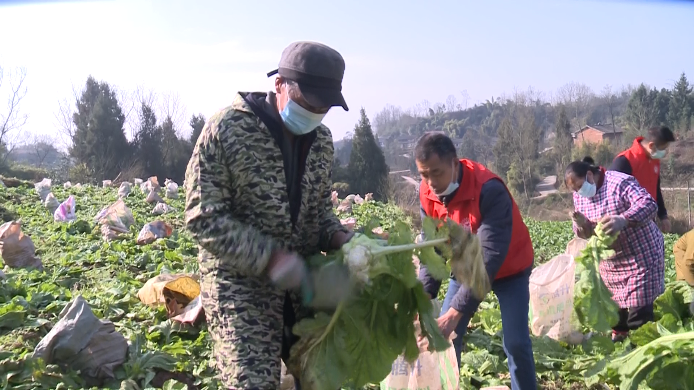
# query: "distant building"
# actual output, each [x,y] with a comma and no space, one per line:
[597,134]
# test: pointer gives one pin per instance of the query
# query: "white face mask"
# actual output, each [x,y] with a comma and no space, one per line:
[587,190]
[452,186]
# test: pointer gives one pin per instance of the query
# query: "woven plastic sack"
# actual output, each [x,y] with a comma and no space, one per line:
[43,188]
[16,249]
[431,370]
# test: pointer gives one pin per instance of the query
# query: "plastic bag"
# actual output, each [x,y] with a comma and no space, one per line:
[162,208]
[124,190]
[431,370]
[152,184]
[67,185]
[43,188]
[153,231]
[51,203]
[153,197]
[66,211]
[368,197]
[114,220]
[171,189]
[575,246]
[152,293]
[106,183]
[349,223]
[551,299]
[334,199]
[78,186]
[358,199]
[84,343]
[137,181]
[16,249]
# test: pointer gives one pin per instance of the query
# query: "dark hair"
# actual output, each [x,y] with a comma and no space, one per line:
[580,168]
[435,142]
[588,160]
[660,135]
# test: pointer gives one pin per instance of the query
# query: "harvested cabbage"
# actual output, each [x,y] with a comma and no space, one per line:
[364,256]
[357,343]
[593,302]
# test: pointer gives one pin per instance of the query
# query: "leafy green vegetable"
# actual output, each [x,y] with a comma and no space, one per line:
[358,342]
[593,302]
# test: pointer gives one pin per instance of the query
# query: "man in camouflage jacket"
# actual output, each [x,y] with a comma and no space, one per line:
[258,191]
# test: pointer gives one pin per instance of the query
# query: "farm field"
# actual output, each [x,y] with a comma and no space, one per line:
[108,275]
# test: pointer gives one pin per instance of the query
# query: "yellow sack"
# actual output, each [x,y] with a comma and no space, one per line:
[183,288]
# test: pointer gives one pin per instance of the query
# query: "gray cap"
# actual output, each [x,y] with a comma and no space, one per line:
[318,69]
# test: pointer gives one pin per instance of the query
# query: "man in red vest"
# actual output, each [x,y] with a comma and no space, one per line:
[476,198]
[642,161]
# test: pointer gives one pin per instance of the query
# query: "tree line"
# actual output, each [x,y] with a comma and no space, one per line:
[93,126]
[527,134]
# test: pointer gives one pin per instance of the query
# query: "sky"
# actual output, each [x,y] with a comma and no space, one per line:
[396,52]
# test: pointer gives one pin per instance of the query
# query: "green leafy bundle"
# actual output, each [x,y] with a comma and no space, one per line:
[593,302]
[358,342]
[666,361]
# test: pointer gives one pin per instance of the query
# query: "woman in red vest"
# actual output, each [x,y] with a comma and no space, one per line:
[476,198]
[636,274]
[642,161]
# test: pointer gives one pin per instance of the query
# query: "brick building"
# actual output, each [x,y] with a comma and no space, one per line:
[597,134]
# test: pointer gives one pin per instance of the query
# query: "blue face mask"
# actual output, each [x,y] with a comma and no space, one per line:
[587,190]
[299,120]
[658,154]
[452,186]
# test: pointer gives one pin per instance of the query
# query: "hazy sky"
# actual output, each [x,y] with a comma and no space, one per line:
[396,52]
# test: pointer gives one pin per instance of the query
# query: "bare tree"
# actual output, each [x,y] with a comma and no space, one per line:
[11,118]
[575,96]
[465,98]
[609,98]
[63,118]
[42,146]
[171,107]
[451,103]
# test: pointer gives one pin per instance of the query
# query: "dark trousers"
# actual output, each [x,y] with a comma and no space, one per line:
[514,300]
[633,318]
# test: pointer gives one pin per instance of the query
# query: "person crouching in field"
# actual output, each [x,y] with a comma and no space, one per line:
[476,198]
[636,274]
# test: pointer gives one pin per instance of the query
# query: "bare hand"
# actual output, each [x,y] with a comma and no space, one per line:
[449,321]
[580,220]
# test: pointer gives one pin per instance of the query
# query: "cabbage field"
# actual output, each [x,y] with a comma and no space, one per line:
[77,260]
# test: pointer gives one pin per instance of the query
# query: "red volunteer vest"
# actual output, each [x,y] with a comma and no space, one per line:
[464,209]
[645,169]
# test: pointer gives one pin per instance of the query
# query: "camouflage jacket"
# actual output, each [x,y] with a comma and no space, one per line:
[237,205]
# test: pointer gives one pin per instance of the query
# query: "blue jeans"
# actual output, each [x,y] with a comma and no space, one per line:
[514,297]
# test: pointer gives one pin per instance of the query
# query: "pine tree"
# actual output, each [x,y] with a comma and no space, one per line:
[367,165]
[681,105]
[197,122]
[99,140]
[147,143]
